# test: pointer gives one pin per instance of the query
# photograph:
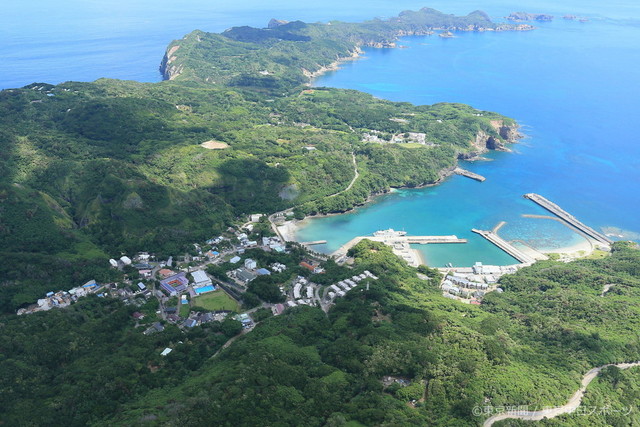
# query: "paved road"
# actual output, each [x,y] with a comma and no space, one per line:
[570,406]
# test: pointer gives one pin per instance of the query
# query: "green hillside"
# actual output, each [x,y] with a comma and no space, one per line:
[92,170]
[527,346]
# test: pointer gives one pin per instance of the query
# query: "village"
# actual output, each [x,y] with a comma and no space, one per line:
[211,282]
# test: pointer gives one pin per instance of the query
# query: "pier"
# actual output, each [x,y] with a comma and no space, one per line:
[315,242]
[468,174]
[505,246]
[424,240]
[568,218]
[400,244]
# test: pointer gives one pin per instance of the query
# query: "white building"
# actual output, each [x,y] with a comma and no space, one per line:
[200,279]
[125,260]
[250,264]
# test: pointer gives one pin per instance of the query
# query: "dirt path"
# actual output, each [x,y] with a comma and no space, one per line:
[356,174]
[570,406]
[606,289]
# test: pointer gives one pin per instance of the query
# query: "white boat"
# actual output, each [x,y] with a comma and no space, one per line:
[389,233]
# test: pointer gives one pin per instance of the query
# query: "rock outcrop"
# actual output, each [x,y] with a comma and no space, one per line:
[524,16]
[169,70]
[508,134]
[274,23]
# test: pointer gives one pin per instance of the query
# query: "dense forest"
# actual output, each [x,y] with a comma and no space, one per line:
[527,346]
[287,53]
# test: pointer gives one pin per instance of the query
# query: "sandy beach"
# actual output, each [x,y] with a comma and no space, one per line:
[289,229]
[583,248]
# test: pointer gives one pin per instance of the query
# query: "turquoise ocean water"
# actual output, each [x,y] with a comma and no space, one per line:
[573,86]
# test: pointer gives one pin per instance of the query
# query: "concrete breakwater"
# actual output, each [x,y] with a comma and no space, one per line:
[469,174]
[506,246]
[568,218]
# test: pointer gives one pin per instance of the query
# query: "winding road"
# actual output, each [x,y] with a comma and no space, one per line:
[356,174]
[569,407]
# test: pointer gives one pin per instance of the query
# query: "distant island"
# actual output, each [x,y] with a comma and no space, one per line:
[291,53]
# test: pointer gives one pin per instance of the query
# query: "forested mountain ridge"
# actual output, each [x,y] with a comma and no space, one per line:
[286,54]
[92,170]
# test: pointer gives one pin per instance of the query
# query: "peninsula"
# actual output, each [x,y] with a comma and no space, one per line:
[290,53]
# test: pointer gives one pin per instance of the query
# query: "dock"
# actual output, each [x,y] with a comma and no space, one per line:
[400,244]
[469,174]
[568,218]
[315,242]
[424,240]
[505,246]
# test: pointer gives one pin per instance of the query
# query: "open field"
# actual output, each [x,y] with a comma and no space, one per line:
[214,145]
[217,300]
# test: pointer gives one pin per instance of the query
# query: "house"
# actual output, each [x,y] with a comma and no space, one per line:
[212,254]
[125,260]
[312,268]
[137,315]
[166,351]
[113,263]
[244,275]
[142,266]
[277,309]
[256,217]
[276,266]
[296,290]
[190,323]
[244,319]
[156,327]
[263,272]
[250,264]
[249,228]
[200,279]
[145,273]
[165,272]
[234,260]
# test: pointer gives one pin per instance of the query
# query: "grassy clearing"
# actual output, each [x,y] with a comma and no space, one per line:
[217,300]
[598,254]
[184,310]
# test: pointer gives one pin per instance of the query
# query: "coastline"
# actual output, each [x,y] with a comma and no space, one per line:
[334,66]
[578,250]
[289,228]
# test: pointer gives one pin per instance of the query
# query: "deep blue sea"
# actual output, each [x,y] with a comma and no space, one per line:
[573,86]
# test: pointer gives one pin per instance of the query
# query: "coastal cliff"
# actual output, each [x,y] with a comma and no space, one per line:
[485,141]
[169,70]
